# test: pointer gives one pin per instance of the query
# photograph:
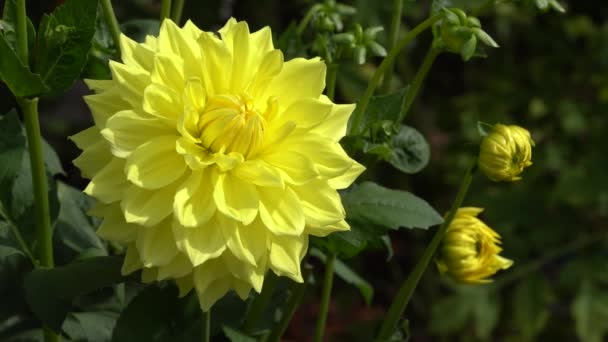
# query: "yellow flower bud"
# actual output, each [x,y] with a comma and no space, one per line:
[505,152]
[469,250]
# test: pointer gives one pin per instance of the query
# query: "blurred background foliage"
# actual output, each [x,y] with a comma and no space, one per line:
[549,75]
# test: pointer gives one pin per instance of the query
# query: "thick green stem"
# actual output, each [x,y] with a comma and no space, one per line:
[332,73]
[165,10]
[328,281]
[412,92]
[395,311]
[259,304]
[22,32]
[206,328]
[176,12]
[108,13]
[297,294]
[392,40]
[44,232]
[355,128]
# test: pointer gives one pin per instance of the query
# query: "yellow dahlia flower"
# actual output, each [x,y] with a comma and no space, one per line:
[469,250]
[213,159]
[505,152]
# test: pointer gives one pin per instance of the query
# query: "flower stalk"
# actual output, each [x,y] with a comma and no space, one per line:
[259,304]
[297,294]
[355,128]
[165,10]
[412,92]
[176,12]
[325,297]
[108,13]
[392,40]
[206,333]
[332,73]
[395,312]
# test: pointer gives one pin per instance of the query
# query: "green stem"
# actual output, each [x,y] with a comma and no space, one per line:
[206,326]
[18,236]
[355,128]
[332,73]
[392,40]
[22,32]
[407,289]
[108,13]
[297,294]
[50,336]
[178,9]
[259,304]
[555,253]
[412,92]
[44,232]
[165,10]
[302,25]
[325,297]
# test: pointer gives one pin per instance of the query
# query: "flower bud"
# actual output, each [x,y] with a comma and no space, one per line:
[469,250]
[505,152]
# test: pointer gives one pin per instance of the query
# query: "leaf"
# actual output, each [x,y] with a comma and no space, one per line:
[138,29]
[147,316]
[64,40]
[49,292]
[386,107]
[12,148]
[74,228]
[531,300]
[17,76]
[90,326]
[590,311]
[410,151]
[237,336]
[373,204]
[8,26]
[8,245]
[348,275]
[51,160]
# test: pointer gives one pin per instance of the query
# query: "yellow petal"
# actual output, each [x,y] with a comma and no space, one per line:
[295,167]
[131,80]
[193,204]
[281,212]
[345,180]
[95,156]
[185,285]
[234,197]
[179,267]
[308,74]
[234,240]
[286,253]
[335,124]
[156,245]
[114,227]
[104,105]
[163,102]
[326,230]
[147,207]
[127,130]
[133,53]
[172,39]
[155,164]
[305,112]
[169,70]
[216,57]
[211,281]
[109,183]
[132,262]
[202,243]
[243,272]
[259,173]
[321,204]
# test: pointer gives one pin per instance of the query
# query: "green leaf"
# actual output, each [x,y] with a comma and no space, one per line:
[348,275]
[74,228]
[12,148]
[17,76]
[410,152]
[147,316]
[64,40]
[371,203]
[467,49]
[386,107]
[102,50]
[8,26]
[138,29]
[237,336]
[90,326]
[590,311]
[8,245]
[49,292]
[51,160]
[531,300]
